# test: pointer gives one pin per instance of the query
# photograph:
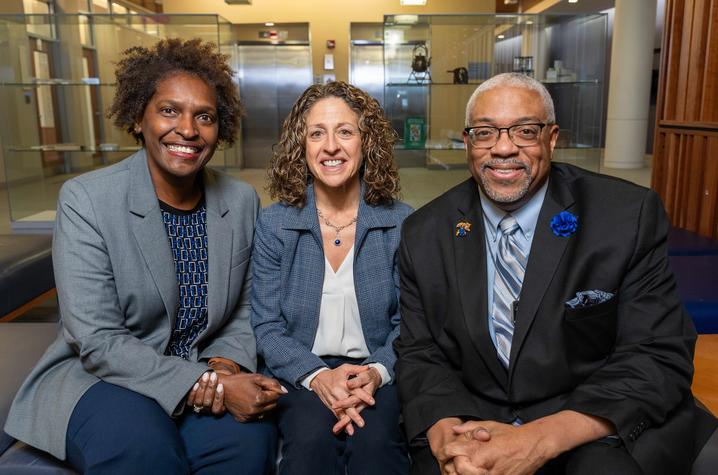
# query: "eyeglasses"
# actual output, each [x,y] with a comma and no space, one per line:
[522,135]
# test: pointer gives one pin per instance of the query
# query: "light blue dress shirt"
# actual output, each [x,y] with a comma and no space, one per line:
[526,216]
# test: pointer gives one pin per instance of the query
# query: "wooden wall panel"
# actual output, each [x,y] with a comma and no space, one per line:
[710,103]
[688,181]
[685,160]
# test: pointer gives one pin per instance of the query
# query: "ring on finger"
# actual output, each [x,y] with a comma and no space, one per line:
[197,409]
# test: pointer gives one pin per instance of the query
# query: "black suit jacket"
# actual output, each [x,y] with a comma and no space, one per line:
[628,360]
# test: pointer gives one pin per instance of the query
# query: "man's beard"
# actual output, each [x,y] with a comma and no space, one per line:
[498,196]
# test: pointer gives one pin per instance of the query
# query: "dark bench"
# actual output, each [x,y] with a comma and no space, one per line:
[682,242]
[694,260]
[29,276]
[26,277]
[21,345]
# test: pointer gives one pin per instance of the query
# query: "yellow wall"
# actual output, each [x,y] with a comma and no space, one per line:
[328,19]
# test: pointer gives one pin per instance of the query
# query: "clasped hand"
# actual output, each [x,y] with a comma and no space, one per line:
[487,447]
[244,395]
[346,391]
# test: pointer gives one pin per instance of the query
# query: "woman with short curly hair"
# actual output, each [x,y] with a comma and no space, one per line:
[325,303]
[151,258]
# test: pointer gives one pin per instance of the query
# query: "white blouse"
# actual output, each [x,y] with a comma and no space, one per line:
[340,332]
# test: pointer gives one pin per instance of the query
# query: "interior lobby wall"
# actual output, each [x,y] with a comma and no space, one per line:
[328,19]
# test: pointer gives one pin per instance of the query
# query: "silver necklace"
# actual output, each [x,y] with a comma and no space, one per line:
[337,229]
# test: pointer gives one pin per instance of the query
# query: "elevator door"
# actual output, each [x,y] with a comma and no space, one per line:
[271,78]
[367,69]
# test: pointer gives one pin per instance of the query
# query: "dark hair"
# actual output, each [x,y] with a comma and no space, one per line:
[139,71]
[288,171]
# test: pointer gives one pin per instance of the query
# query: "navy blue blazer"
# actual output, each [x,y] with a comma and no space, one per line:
[288,275]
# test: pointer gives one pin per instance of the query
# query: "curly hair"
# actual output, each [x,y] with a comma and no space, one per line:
[141,69]
[288,171]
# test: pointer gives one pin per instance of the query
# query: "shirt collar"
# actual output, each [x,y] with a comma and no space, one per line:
[527,215]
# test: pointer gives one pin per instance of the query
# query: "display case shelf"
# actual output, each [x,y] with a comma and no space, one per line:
[74,148]
[58,82]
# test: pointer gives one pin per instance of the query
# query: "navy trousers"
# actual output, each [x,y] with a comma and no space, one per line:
[309,446]
[117,431]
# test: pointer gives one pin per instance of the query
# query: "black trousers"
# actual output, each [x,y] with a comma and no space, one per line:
[309,446]
[604,457]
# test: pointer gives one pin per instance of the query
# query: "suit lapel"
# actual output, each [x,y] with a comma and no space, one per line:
[546,253]
[149,231]
[368,218]
[470,262]
[305,219]
[219,242]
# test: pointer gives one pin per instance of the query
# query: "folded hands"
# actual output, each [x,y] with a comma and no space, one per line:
[247,396]
[346,391]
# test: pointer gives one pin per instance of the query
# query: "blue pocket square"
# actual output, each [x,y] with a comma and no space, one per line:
[586,298]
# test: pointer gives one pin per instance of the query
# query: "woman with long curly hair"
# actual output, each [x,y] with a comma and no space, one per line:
[325,300]
[151,255]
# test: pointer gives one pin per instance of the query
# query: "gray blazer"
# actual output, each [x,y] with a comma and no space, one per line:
[118,297]
[288,266]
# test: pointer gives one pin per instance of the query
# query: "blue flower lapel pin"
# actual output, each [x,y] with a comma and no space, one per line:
[463,228]
[564,224]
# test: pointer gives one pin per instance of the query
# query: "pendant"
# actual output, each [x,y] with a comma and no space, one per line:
[337,242]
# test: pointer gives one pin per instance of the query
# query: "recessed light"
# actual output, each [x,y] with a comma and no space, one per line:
[406,19]
[501,37]
[572,1]
[412,2]
[269,23]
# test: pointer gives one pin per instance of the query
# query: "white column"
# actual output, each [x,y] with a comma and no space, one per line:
[629,87]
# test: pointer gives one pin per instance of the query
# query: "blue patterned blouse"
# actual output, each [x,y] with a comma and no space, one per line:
[187,234]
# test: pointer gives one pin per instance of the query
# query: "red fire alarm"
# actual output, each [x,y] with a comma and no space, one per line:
[331,44]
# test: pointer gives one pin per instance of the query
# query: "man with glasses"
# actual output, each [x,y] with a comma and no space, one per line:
[541,326]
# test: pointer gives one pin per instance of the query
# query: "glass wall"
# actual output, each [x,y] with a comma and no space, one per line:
[56,84]
[433,63]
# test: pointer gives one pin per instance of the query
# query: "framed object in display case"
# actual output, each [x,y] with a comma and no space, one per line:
[414,132]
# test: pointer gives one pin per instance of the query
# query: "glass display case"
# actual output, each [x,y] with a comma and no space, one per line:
[433,63]
[56,84]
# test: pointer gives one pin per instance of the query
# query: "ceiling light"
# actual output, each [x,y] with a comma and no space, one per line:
[269,23]
[529,22]
[412,2]
[572,1]
[406,19]
[501,37]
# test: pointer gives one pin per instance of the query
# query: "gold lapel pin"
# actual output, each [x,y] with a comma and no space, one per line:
[463,228]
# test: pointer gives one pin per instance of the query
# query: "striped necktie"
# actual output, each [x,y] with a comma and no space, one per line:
[510,266]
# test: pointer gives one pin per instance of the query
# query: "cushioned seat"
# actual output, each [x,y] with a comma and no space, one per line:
[21,345]
[25,270]
[697,277]
[682,242]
